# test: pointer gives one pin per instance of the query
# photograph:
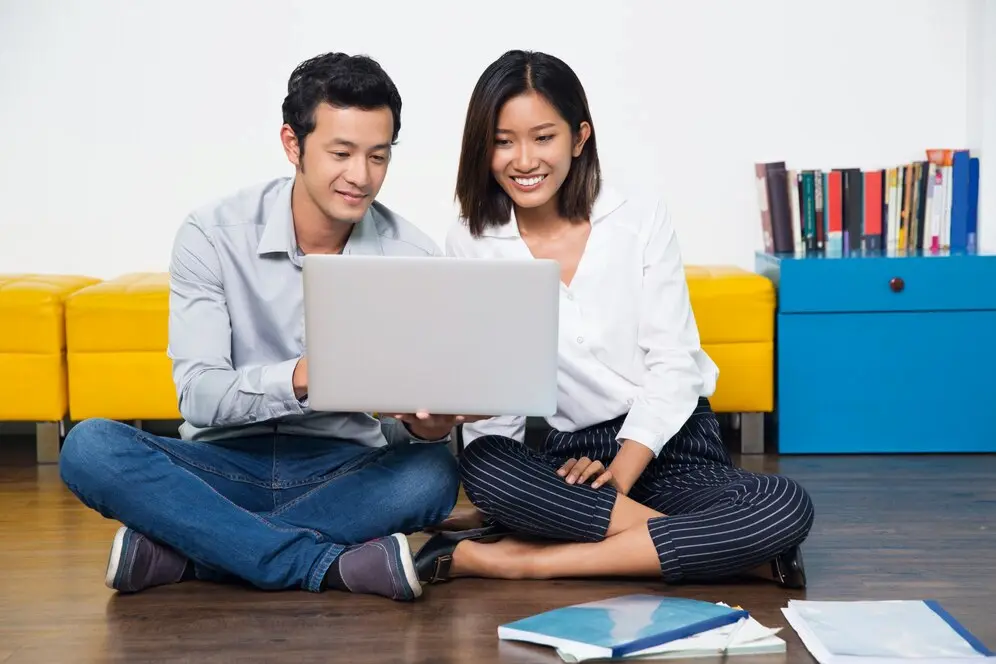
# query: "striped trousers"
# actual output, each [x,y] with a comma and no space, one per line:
[719,520]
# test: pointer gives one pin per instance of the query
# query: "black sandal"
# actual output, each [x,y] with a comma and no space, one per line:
[433,560]
[788,569]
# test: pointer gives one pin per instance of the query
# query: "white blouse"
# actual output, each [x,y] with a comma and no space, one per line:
[628,338]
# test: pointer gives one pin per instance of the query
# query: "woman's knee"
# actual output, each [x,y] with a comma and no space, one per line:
[802,512]
[486,467]
[788,510]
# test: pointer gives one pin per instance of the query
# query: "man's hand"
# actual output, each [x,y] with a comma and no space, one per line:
[433,427]
[300,378]
[583,469]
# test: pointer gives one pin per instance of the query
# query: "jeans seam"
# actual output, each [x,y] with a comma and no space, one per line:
[322,566]
[149,441]
[206,468]
[361,461]
[273,472]
[321,484]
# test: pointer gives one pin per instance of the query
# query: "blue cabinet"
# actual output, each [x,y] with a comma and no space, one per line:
[885,354]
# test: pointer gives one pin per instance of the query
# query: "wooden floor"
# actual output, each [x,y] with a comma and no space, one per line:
[886,527]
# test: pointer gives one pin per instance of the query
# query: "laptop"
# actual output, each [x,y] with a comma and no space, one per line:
[449,336]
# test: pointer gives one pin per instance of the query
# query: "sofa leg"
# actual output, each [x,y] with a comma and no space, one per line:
[48,436]
[752,433]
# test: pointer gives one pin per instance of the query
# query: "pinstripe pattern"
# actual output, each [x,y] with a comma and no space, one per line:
[720,520]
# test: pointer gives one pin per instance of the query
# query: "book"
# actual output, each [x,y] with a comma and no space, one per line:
[620,626]
[746,637]
[926,206]
[883,632]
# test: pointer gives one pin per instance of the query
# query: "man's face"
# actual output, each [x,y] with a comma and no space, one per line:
[345,159]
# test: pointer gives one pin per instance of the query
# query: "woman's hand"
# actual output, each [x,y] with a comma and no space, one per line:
[583,469]
[629,463]
[627,466]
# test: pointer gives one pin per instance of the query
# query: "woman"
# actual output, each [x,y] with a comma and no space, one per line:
[633,479]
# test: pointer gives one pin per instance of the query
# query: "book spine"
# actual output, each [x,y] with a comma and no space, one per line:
[872,230]
[761,184]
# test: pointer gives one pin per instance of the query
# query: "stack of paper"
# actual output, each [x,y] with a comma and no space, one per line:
[883,632]
[644,627]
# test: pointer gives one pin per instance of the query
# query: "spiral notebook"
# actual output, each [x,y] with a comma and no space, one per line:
[620,626]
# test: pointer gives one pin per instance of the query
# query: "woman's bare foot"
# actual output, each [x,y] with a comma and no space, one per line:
[508,558]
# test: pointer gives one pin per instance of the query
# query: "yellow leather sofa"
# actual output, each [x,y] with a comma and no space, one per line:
[116,336]
[32,353]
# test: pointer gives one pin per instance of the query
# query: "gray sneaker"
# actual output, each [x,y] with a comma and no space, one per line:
[137,563]
[382,566]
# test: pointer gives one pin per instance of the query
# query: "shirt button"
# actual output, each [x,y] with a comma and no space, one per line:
[580,340]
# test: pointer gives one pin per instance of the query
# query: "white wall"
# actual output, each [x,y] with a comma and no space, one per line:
[119,116]
[982,111]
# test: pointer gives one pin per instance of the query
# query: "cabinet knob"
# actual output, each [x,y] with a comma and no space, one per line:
[897,284]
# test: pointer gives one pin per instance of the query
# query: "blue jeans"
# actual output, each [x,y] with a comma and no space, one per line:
[272,510]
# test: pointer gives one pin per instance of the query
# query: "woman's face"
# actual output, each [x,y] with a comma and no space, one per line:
[533,150]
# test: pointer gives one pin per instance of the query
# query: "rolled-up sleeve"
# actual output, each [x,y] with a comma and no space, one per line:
[210,391]
[669,339]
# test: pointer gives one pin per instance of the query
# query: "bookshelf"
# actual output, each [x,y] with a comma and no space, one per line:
[884,352]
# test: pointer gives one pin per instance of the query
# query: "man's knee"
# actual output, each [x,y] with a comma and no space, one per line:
[89,451]
[431,478]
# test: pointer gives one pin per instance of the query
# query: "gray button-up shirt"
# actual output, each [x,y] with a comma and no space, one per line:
[236,317]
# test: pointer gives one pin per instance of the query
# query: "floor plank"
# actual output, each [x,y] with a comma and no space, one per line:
[886,527]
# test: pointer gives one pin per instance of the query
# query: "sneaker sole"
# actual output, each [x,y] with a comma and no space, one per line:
[408,564]
[114,559]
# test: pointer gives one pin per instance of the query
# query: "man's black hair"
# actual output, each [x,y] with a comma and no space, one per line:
[342,81]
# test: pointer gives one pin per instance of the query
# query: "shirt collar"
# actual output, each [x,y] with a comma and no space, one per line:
[607,201]
[278,232]
[278,236]
[365,238]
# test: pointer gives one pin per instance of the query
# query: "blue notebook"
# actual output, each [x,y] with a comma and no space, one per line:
[622,625]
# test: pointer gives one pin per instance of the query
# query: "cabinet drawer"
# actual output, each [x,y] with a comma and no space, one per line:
[869,284]
[899,382]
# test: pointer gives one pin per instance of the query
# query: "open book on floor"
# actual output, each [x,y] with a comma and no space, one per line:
[641,626]
[884,632]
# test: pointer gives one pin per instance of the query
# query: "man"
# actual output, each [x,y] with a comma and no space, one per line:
[259,487]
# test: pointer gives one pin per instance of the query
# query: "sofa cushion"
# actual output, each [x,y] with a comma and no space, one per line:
[735,313]
[32,344]
[116,348]
[130,312]
[32,308]
[731,304]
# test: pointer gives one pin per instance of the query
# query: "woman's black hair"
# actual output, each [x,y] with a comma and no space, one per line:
[483,202]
